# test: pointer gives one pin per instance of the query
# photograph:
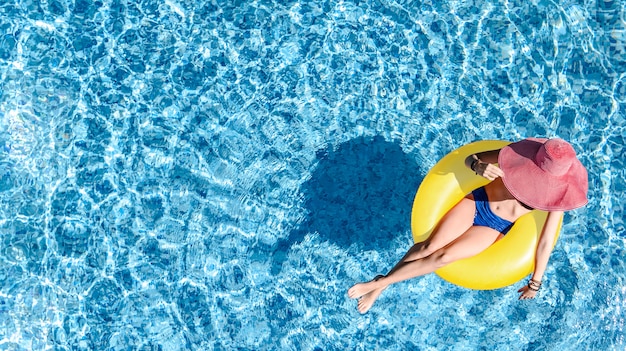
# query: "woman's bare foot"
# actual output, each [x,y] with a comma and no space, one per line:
[367,293]
[367,301]
[358,290]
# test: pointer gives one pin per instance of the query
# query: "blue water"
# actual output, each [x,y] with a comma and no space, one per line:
[214,175]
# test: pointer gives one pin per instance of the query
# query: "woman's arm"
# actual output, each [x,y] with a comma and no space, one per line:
[542,254]
[483,164]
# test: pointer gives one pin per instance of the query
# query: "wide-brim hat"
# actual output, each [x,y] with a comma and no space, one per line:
[544,174]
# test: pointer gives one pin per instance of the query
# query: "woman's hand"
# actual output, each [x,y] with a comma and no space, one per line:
[488,170]
[527,293]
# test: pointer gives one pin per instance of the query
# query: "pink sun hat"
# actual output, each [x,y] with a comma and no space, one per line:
[544,174]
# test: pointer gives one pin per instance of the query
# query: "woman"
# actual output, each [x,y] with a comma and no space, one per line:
[541,174]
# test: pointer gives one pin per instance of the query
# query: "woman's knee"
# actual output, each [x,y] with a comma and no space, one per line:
[428,249]
[443,258]
[420,250]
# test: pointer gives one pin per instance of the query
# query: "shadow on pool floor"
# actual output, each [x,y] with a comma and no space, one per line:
[361,192]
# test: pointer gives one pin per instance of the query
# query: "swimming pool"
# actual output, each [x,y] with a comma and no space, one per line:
[214,175]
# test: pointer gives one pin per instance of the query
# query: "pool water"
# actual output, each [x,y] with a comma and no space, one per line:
[214,175]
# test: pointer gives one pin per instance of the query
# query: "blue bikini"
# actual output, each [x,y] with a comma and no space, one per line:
[485,217]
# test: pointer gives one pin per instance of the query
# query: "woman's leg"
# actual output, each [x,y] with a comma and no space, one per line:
[451,226]
[472,242]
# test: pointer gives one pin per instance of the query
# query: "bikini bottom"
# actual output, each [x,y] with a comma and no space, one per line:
[485,216]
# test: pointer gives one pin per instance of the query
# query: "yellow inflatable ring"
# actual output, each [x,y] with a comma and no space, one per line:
[506,261]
